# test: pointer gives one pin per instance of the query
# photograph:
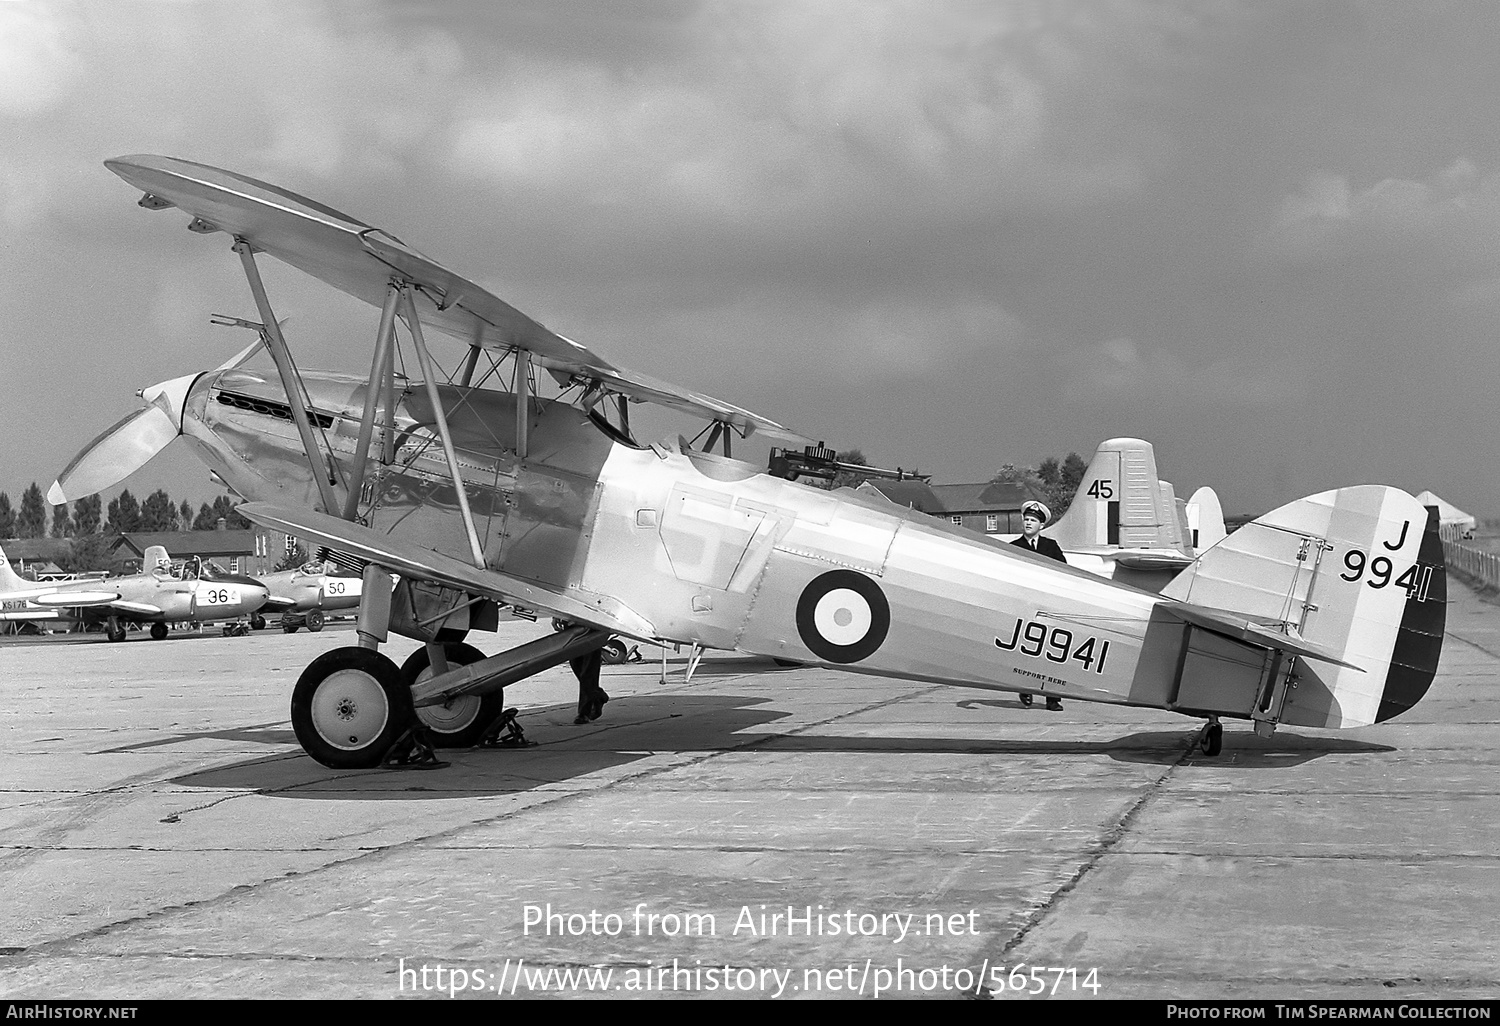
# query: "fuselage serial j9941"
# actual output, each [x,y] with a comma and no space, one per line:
[1327,612]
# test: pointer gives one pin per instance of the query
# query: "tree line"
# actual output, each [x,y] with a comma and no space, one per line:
[1057,479]
[124,514]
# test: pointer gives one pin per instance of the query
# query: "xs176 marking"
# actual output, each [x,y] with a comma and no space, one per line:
[1034,639]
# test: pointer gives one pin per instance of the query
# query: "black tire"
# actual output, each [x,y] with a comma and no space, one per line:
[614,652]
[115,633]
[1213,739]
[349,707]
[257,622]
[314,620]
[461,724]
[158,631]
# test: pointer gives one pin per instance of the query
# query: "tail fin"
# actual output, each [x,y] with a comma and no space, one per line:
[9,579]
[156,555]
[1358,571]
[1205,519]
[1119,503]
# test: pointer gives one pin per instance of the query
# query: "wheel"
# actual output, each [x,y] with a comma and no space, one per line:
[257,622]
[114,632]
[349,707]
[1213,739]
[158,631]
[290,625]
[1025,700]
[461,723]
[314,620]
[614,652]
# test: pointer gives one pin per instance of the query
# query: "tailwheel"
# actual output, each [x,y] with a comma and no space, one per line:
[349,708]
[461,723]
[158,631]
[1212,738]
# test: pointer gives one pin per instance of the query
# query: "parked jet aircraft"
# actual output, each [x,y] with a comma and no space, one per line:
[1327,612]
[305,595]
[1127,524]
[160,595]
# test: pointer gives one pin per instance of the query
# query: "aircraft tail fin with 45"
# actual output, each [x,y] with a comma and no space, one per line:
[1355,575]
[1120,503]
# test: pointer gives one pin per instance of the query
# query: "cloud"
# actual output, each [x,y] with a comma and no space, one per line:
[1119,369]
[37,62]
[1441,229]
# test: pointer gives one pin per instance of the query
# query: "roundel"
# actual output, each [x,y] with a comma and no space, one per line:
[843,616]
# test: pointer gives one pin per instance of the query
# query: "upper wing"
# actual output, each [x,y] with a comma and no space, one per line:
[410,560]
[361,260]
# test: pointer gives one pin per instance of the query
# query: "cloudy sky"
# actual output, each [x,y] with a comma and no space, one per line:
[1264,236]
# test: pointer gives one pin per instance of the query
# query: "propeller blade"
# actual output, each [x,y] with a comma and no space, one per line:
[114,455]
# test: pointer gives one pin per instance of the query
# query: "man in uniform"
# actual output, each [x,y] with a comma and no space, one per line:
[1034,517]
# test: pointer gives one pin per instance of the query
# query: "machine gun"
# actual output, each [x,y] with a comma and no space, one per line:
[823,463]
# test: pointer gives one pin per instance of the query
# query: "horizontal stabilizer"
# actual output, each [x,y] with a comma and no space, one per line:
[1141,559]
[1242,628]
[408,560]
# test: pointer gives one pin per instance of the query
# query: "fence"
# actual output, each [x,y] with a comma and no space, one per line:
[1478,566]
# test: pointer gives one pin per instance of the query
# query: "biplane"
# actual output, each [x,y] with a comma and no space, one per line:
[162,593]
[483,498]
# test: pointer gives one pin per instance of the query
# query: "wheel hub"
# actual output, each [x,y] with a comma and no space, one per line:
[349,708]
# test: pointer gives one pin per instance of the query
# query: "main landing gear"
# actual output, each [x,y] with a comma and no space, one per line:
[313,620]
[350,707]
[463,721]
[1211,738]
[353,708]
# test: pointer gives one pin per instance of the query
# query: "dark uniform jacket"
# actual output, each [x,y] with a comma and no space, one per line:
[1044,547]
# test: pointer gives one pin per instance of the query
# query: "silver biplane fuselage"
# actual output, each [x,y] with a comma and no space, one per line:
[691,547]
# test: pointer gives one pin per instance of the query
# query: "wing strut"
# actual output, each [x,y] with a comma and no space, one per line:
[290,381]
[523,413]
[378,362]
[429,376]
